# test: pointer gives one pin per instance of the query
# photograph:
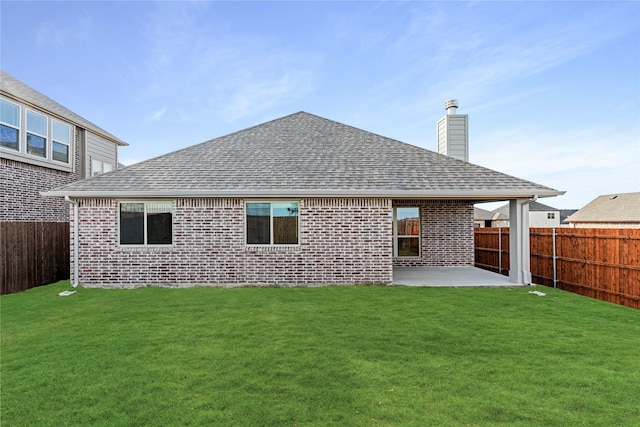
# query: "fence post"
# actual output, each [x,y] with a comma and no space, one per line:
[499,250]
[555,267]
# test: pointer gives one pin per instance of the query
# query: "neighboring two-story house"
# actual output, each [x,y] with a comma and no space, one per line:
[540,216]
[43,145]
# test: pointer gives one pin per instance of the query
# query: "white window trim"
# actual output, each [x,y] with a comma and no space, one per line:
[396,236]
[47,140]
[21,154]
[271,244]
[10,150]
[145,244]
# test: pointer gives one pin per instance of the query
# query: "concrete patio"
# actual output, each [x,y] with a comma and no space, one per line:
[449,276]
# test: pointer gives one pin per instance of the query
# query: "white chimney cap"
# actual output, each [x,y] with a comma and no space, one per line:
[451,106]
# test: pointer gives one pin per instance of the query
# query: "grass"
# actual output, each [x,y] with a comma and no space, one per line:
[353,356]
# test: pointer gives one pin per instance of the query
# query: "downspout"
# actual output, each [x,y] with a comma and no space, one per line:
[526,275]
[76,243]
[531,200]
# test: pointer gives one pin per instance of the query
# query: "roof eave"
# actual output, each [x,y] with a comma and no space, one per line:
[496,195]
[59,116]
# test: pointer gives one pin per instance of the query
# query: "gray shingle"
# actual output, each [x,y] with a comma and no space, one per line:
[482,214]
[306,153]
[624,207]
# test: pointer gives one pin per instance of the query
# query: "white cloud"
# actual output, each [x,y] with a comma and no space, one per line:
[257,93]
[585,163]
[212,72]
[58,35]
[474,50]
[520,149]
[157,115]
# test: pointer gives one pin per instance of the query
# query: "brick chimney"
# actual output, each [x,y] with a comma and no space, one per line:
[453,132]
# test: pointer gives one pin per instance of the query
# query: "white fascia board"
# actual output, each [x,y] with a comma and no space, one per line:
[62,117]
[392,194]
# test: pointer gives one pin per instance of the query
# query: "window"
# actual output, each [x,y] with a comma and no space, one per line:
[9,125]
[36,134]
[551,215]
[406,232]
[146,223]
[272,223]
[31,136]
[99,167]
[61,137]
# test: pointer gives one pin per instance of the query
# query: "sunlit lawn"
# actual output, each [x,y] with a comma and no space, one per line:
[321,356]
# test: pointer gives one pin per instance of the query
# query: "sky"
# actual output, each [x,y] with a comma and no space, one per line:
[552,89]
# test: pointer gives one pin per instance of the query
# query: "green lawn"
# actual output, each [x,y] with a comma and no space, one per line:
[322,356]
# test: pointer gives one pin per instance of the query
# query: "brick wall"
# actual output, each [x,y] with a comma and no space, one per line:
[446,228]
[342,241]
[20,187]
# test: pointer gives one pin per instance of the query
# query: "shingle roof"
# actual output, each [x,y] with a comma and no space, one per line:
[482,214]
[566,213]
[623,207]
[9,85]
[485,215]
[304,154]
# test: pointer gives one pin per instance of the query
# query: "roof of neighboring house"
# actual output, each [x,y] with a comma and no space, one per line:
[482,214]
[533,207]
[485,215]
[14,88]
[624,207]
[305,155]
[566,213]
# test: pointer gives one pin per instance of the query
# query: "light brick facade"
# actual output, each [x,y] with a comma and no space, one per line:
[342,241]
[446,229]
[20,187]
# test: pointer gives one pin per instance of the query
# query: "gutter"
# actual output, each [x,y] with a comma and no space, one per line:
[76,243]
[303,193]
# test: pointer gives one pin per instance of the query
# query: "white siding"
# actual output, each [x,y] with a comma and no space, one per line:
[100,149]
[541,219]
[453,137]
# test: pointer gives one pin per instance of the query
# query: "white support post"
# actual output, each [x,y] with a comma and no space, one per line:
[75,277]
[519,252]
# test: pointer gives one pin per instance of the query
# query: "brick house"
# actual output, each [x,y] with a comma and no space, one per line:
[300,200]
[43,145]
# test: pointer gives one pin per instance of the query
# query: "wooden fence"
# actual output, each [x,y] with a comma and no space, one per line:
[33,254]
[601,263]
